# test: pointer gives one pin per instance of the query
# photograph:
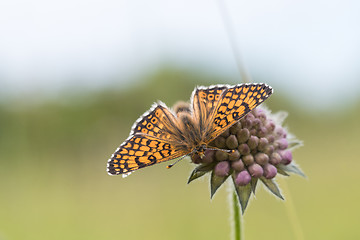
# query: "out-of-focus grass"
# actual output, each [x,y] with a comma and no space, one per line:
[54,184]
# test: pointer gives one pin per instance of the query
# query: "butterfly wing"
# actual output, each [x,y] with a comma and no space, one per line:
[152,140]
[205,101]
[141,151]
[234,103]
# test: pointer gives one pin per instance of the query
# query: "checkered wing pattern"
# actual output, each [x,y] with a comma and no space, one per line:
[235,103]
[141,151]
[151,141]
[205,101]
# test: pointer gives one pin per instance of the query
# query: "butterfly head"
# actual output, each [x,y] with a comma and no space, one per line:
[200,150]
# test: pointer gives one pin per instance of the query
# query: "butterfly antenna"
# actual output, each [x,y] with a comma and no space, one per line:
[223,150]
[171,165]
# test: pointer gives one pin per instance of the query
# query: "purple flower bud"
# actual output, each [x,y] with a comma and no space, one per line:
[231,142]
[270,125]
[220,142]
[243,135]
[248,159]
[262,144]
[261,158]
[221,156]
[222,169]
[269,171]
[234,156]
[246,123]
[256,170]
[238,165]
[235,128]
[250,116]
[253,142]
[271,138]
[262,131]
[244,149]
[209,156]
[253,131]
[279,131]
[226,133]
[256,122]
[282,143]
[196,159]
[243,178]
[275,158]
[286,157]
[269,149]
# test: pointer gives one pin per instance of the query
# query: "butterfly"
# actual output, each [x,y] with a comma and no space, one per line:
[160,135]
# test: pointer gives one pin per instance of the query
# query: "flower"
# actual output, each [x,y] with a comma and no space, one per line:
[261,148]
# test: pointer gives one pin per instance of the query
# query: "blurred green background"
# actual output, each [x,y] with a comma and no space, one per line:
[54,183]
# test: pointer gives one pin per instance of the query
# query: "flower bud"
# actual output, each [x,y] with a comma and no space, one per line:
[226,133]
[262,131]
[256,122]
[270,126]
[238,165]
[209,156]
[196,159]
[244,149]
[235,128]
[269,171]
[246,123]
[234,156]
[248,159]
[231,142]
[222,169]
[282,143]
[253,142]
[243,135]
[275,158]
[255,170]
[271,138]
[221,156]
[220,142]
[261,158]
[262,144]
[243,178]
[269,149]
[286,157]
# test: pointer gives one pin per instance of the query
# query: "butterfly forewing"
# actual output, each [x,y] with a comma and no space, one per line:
[141,151]
[235,103]
[152,140]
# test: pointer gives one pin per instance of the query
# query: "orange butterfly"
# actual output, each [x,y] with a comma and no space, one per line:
[160,135]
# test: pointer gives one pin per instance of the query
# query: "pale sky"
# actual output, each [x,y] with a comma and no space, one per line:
[310,49]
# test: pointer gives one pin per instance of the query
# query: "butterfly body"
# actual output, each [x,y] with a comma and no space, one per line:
[160,135]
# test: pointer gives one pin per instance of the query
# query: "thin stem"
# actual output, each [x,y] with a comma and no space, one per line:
[229,28]
[291,212]
[236,217]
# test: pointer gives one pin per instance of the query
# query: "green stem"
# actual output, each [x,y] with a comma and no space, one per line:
[237,218]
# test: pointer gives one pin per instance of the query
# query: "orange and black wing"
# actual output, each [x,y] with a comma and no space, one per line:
[205,101]
[234,103]
[152,140]
[141,151]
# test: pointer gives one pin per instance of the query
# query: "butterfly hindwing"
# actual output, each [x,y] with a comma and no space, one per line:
[205,101]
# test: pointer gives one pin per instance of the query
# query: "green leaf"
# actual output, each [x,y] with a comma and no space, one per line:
[216,182]
[200,171]
[292,167]
[281,171]
[253,184]
[272,186]
[243,193]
